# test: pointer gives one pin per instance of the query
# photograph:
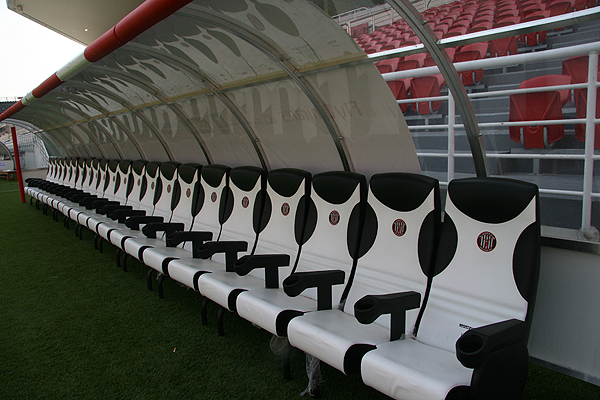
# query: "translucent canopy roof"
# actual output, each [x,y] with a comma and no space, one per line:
[238,82]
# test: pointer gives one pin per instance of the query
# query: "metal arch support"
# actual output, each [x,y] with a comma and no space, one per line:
[81,100]
[40,104]
[89,120]
[208,84]
[42,110]
[37,131]
[429,39]
[265,46]
[92,87]
[153,91]
[168,58]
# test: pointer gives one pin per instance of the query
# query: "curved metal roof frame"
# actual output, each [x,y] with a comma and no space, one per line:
[416,21]
[48,140]
[36,113]
[5,147]
[99,89]
[43,106]
[278,56]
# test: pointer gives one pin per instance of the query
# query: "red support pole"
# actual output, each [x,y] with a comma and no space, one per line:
[18,164]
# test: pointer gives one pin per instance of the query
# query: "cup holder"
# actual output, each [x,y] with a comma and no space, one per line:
[470,344]
[365,305]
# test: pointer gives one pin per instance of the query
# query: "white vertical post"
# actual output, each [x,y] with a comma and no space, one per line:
[589,232]
[451,133]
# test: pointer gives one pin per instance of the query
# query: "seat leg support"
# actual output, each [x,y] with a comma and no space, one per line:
[287,355]
[204,312]
[149,278]
[124,261]
[220,315]
[161,278]
[118,257]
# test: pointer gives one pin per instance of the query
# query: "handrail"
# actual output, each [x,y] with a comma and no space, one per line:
[588,156]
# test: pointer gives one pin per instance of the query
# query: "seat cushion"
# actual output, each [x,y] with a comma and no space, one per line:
[410,370]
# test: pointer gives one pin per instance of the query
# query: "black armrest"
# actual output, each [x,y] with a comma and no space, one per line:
[76,198]
[135,221]
[103,202]
[369,308]
[473,347]
[168,227]
[296,283]
[230,248]
[87,201]
[107,209]
[121,215]
[270,262]
[197,238]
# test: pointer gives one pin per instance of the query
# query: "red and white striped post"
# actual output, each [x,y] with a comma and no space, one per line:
[18,163]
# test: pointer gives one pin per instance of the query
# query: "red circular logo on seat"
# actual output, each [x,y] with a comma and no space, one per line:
[486,241]
[334,217]
[114,178]
[399,227]
[125,181]
[188,192]
[213,197]
[139,182]
[285,209]
[152,186]
[245,202]
[168,188]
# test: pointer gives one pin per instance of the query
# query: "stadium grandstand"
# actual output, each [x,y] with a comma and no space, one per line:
[405,192]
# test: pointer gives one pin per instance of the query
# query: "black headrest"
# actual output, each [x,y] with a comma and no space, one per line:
[187,171]
[213,174]
[138,166]
[286,181]
[113,165]
[491,200]
[402,191]
[124,166]
[336,187]
[152,168]
[245,178]
[167,169]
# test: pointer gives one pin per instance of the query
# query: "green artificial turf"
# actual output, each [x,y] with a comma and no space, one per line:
[73,326]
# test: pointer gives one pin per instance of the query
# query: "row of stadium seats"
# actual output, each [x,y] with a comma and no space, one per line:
[548,106]
[361,274]
[462,17]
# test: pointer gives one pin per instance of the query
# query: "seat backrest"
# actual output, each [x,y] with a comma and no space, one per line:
[244,207]
[102,180]
[487,262]
[89,182]
[149,184]
[550,80]
[123,183]
[81,173]
[402,224]
[333,227]
[535,107]
[211,199]
[283,216]
[241,212]
[71,173]
[110,178]
[138,168]
[184,188]
[163,207]
[577,68]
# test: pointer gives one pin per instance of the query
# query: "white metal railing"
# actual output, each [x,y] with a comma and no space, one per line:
[588,156]
[384,15]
